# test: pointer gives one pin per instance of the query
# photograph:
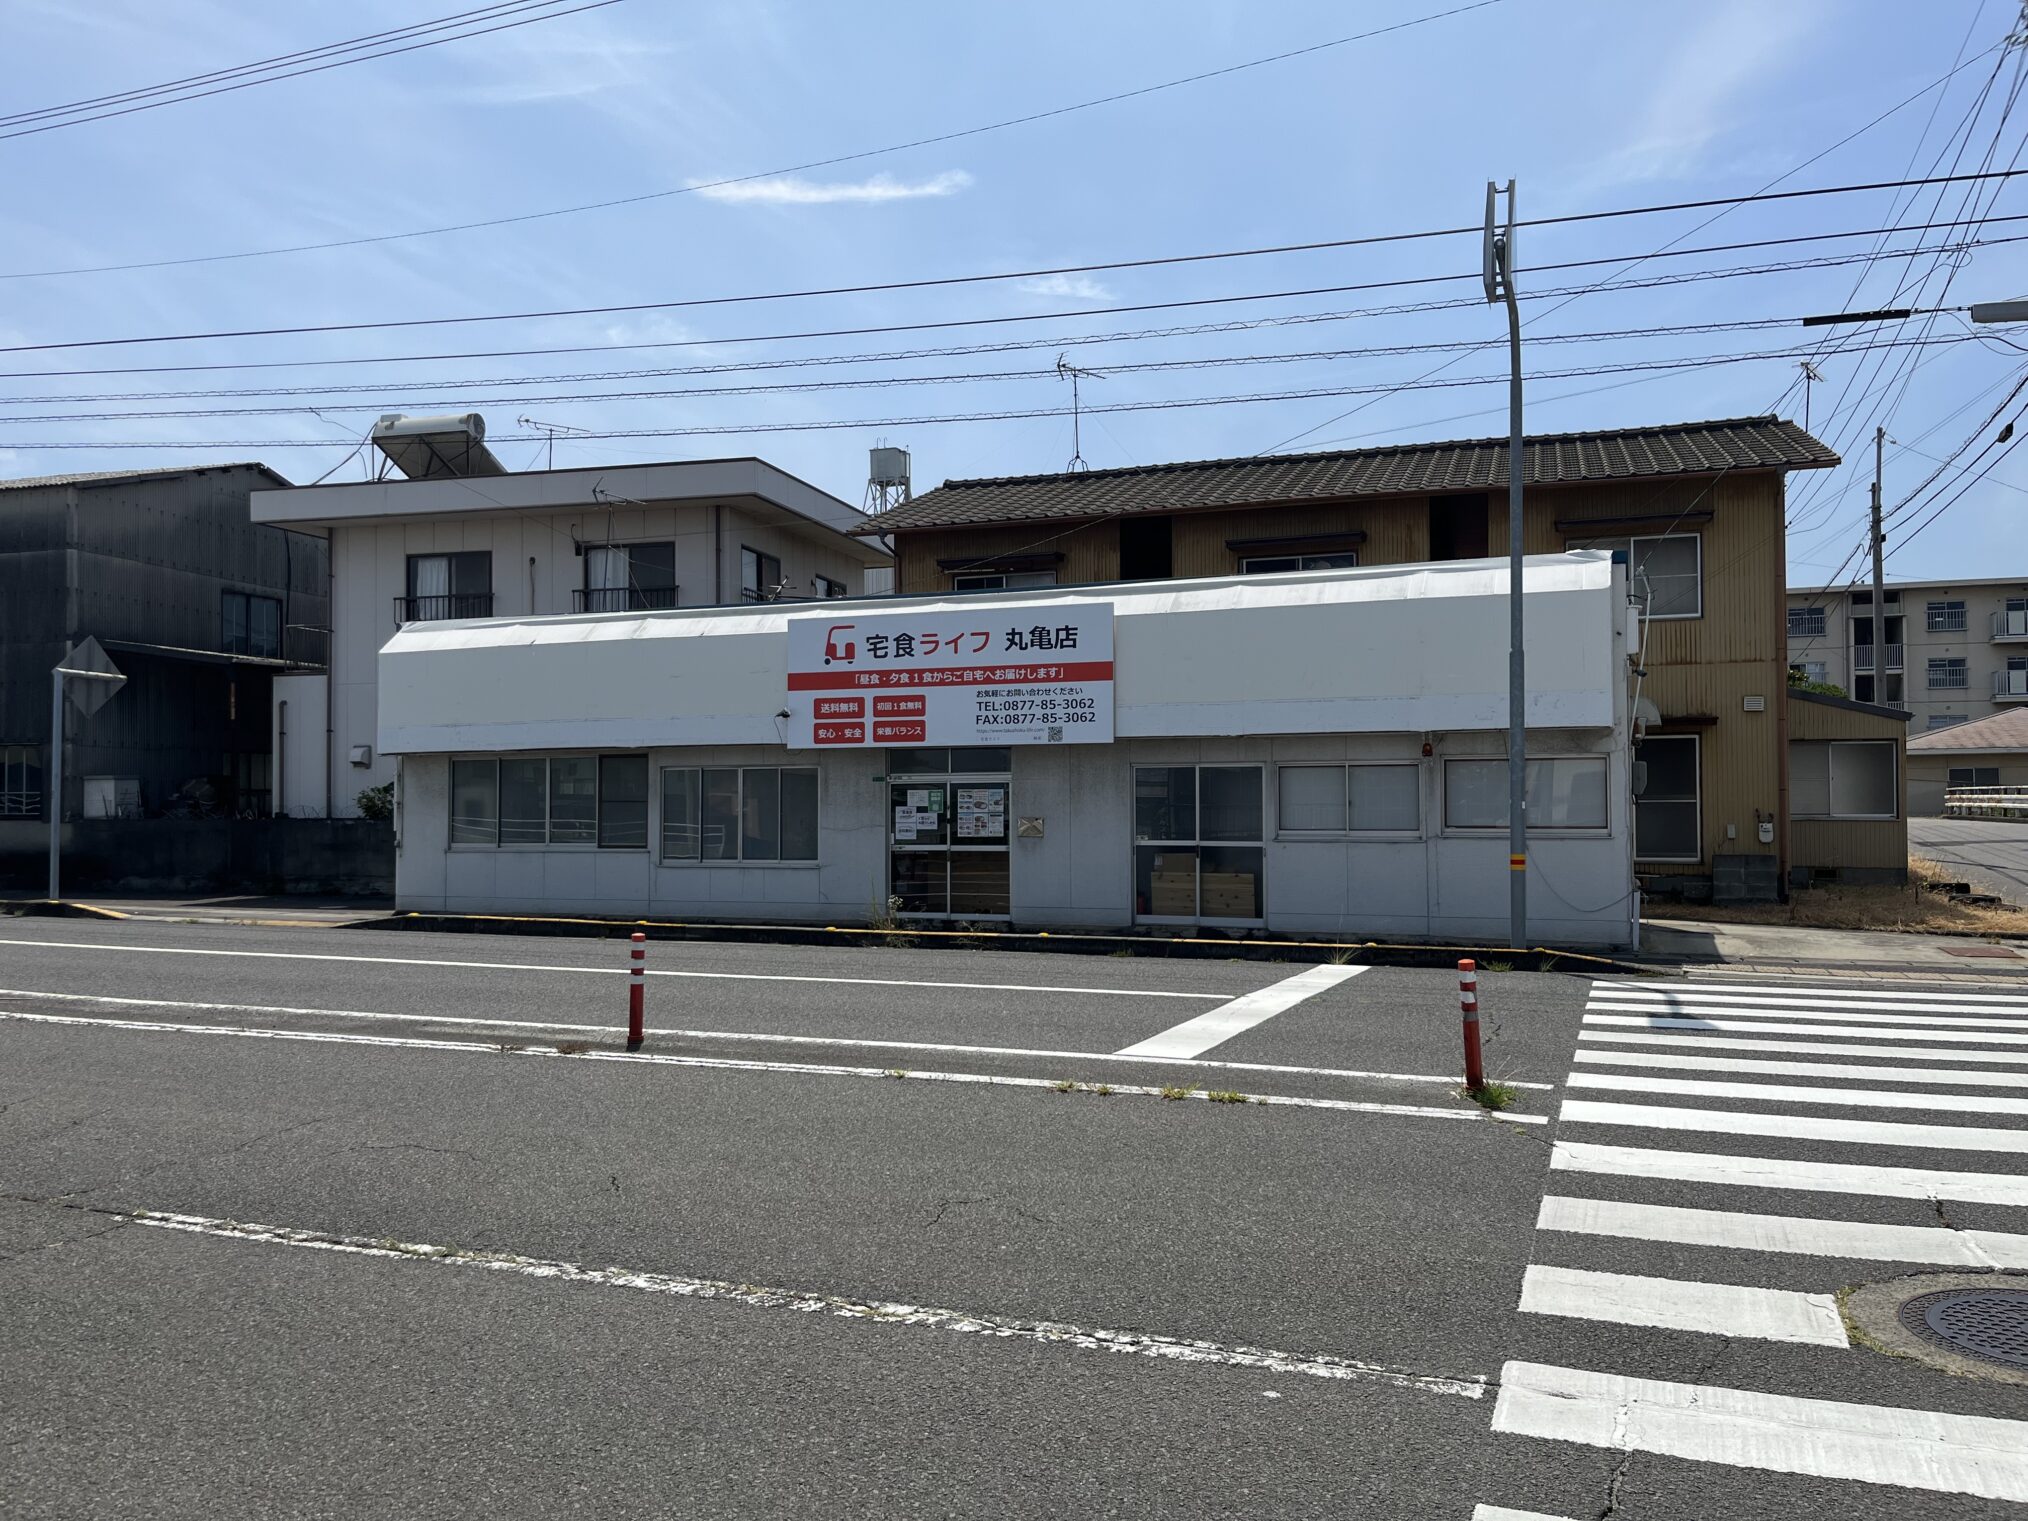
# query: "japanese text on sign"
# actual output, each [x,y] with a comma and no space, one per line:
[982,676]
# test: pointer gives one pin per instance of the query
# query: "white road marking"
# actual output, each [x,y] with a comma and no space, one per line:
[1216,1026]
[1502,1513]
[602,971]
[1826,1439]
[735,1064]
[1784,1233]
[1795,1127]
[1603,1058]
[670,1032]
[1811,1048]
[1796,1093]
[1779,1027]
[1721,1309]
[1780,1172]
[1002,1327]
[1955,1020]
[1864,990]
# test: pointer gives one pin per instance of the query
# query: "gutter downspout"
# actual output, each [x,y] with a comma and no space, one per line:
[718,554]
[330,674]
[282,754]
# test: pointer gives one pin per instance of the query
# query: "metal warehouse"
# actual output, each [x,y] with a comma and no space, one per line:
[1316,752]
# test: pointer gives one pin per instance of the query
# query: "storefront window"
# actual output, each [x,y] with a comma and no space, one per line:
[1197,852]
[551,799]
[1363,799]
[1563,792]
[739,813]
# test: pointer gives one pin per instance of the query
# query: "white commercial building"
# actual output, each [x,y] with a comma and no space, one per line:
[1319,752]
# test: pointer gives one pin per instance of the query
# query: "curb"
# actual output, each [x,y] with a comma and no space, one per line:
[1076,943]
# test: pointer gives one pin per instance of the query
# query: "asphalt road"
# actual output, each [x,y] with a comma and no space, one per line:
[967,1290]
[1992,854]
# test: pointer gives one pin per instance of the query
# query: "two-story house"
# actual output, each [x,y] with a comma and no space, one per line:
[455,536]
[1698,507]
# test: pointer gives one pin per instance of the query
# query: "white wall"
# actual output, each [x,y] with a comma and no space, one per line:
[535,571]
[298,745]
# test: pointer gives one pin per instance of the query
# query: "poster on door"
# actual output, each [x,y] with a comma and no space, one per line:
[1013,676]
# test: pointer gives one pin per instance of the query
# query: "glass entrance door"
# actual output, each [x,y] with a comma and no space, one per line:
[948,830]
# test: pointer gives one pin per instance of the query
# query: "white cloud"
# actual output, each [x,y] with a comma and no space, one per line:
[788,190]
[1068,287]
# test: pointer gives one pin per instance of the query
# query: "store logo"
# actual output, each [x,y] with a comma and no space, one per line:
[837,648]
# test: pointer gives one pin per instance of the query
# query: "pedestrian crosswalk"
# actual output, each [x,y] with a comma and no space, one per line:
[1729,1157]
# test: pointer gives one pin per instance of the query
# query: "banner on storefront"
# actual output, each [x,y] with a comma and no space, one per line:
[991,676]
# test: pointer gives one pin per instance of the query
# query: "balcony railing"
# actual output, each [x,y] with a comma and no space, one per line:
[21,803]
[1862,657]
[622,599]
[2010,686]
[433,608]
[2011,623]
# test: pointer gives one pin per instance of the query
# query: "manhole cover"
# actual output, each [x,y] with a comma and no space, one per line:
[1988,1324]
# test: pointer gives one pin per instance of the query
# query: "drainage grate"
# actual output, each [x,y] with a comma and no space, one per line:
[1990,1325]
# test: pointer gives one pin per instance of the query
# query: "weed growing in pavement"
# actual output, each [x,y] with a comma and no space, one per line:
[1102,1089]
[897,1072]
[1493,1095]
[1225,1096]
[1496,966]
[572,1047]
[1065,1085]
[1345,957]
[1173,1092]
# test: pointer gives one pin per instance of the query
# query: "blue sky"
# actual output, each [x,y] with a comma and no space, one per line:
[1590,105]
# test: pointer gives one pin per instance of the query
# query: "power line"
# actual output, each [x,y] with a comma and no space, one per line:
[1001,415]
[506,7]
[963,377]
[247,84]
[995,277]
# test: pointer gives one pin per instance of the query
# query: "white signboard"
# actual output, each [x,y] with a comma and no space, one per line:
[988,676]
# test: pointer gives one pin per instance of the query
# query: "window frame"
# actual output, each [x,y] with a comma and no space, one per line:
[19,761]
[1571,831]
[244,645]
[1830,747]
[1630,543]
[1198,843]
[659,794]
[595,840]
[1949,665]
[1946,616]
[634,596]
[1695,799]
[1345,829]
[757,590]
[1272,565]
[828,588]
[1001,580]
[1814,627]
[1951,774]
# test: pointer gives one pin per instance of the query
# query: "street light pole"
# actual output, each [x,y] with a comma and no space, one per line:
[1499,282]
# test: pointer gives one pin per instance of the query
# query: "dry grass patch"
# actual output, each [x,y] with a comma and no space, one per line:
[1915,909]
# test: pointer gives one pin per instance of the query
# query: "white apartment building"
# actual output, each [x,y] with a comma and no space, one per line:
[460,538]
[1949,651]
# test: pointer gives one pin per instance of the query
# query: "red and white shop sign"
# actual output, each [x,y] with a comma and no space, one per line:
[1013,676]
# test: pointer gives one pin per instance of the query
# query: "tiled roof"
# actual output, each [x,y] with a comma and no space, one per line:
[1698,448]
[98,477]
[2000,731]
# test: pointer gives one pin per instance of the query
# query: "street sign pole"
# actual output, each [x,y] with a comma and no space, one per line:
[90,665]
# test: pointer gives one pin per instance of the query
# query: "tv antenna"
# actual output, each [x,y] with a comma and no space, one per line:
[1811,375]
[1074,374]
[550,430]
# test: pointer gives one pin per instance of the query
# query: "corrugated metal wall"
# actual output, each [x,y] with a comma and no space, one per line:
[1838,844]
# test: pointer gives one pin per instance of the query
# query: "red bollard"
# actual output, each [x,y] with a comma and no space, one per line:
[1468,1001]
[637,993]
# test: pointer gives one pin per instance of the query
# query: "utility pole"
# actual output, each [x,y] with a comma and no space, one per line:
[1879,579]
[1499,281]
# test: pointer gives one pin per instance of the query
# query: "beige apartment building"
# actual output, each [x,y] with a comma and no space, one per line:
[1950,651]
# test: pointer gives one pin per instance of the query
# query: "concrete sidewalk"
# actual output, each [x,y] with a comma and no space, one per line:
[301,911]
[1689,942]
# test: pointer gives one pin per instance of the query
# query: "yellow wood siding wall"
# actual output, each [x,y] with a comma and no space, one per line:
[1091,551]
[1876,844]
[1699,668]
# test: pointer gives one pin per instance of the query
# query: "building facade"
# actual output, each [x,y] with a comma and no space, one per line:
[1947,651]
[1968,762]
[199,608]
[1316,753]
[1698,508]
[513,546]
